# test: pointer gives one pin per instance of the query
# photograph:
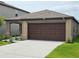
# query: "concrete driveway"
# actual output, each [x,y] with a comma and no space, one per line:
[28,48]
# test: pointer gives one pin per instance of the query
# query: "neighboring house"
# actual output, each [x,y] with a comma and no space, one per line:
[45,25]
[9,11]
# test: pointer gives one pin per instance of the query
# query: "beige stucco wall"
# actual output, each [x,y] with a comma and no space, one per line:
[71,29]
[24,33]
[8,27]
[47,21]
[68,30]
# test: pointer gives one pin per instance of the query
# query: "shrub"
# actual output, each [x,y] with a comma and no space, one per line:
[3,37]
[2,18]
[7,37]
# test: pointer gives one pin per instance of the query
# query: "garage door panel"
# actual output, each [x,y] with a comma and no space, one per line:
[47,31]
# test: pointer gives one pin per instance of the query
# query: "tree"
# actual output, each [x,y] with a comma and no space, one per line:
[1,20]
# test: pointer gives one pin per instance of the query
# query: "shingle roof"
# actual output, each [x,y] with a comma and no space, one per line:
[7,5]
[42,14]
[46,14]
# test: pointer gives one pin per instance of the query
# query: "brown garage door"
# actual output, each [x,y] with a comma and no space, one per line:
[47,31]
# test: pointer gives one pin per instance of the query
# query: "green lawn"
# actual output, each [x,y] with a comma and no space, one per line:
[4,43]
[66,50]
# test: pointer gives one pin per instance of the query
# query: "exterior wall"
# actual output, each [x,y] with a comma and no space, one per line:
[3,28]
[47,21]
[75,28]
[71,29]
[24,33]
[9,12]
[8,27]
[14,29]
[78,28]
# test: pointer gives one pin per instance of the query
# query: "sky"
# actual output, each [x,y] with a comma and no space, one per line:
[66,7]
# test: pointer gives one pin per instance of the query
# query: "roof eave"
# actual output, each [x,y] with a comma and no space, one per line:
[40,18]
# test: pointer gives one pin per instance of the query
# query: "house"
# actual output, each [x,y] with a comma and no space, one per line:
[45,25]
[9,11]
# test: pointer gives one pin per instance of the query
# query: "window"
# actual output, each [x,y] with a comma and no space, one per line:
[16,15]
